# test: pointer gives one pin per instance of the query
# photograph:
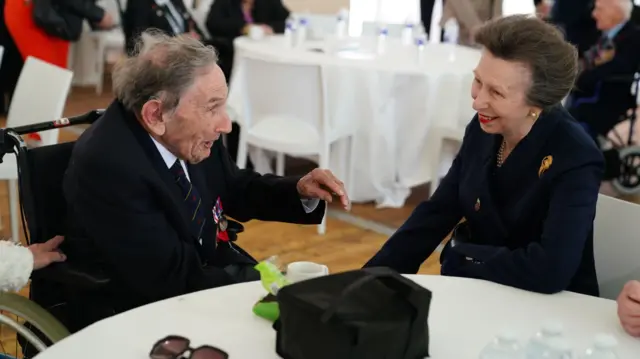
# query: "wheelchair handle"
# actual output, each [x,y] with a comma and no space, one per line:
[11,142]
[87,118]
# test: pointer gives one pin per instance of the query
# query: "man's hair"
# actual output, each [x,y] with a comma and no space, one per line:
[162,67]
[541,47]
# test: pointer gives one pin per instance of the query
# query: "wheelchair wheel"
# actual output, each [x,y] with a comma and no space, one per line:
[21,317]
[628,182]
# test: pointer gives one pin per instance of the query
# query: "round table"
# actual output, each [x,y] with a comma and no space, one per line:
[465,315]
[391,99]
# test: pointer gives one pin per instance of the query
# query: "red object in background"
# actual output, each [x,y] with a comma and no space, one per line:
[30,39]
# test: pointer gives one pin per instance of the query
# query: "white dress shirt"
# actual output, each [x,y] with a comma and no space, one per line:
[309,205]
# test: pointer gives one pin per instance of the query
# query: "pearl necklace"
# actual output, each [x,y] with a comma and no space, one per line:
[500,159]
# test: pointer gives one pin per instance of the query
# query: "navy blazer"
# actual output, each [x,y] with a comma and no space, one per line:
[531,220]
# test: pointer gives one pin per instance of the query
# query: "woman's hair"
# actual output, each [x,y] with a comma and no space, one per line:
[541,47]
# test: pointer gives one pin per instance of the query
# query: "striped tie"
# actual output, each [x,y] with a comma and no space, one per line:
[191,198]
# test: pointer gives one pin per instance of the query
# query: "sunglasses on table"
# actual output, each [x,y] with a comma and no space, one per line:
[177,347]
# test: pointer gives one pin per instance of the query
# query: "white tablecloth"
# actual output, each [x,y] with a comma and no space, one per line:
[465,315]
[392,98]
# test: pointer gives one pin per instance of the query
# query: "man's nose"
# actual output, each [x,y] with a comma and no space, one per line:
[225,124]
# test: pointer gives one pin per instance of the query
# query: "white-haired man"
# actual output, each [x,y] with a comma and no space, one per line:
[601,95]
[149,186]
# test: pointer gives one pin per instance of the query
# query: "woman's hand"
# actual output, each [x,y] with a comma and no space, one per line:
[629,308]
[47,253]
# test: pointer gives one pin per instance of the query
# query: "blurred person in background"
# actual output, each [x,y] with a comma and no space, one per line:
[526,177]
[232,18]
[22,37]
[602,96]
[170,16]
[229,19]
[574,17]
[17,262]
[470,15]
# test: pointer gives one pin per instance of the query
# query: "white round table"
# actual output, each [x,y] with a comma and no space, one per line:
[465,314]
[390,98]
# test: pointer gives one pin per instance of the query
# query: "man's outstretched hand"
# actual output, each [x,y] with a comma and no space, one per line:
[324,185]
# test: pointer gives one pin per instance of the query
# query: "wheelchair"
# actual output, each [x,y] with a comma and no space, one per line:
[622,150]
[43,214]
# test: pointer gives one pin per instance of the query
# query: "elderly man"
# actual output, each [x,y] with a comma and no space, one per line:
[602,91]
[149,185]
[629,308]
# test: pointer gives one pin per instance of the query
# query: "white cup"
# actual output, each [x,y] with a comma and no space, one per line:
[256,32]
[299,271]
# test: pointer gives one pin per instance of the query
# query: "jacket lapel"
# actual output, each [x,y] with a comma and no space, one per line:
[160,176]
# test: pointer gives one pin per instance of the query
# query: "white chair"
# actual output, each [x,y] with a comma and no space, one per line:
[616,244]
[40,96]
[285,111]
[103,41]
[450,121]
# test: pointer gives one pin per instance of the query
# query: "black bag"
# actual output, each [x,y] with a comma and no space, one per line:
[363,314]
[47,17]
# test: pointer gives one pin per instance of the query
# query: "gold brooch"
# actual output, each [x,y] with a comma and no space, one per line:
[545,165]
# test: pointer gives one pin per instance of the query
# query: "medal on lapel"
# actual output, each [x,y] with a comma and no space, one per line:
[220,221]
[477,205]
[545,165]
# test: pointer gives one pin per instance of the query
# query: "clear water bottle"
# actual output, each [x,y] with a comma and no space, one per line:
[289,32]
[407,34]
[504,346]
[342,23]
[604,347]
[301,31]
[421,43]
[540,343]
[383,33]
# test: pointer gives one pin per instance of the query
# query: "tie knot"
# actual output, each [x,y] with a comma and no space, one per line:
[177,169]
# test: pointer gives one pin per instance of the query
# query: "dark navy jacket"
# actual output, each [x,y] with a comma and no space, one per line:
[531,221]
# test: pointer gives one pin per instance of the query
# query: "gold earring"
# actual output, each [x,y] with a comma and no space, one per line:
[533,114]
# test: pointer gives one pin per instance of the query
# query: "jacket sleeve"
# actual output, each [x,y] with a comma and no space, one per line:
[549,265]
[85,8]
[118,214]
[279,14]
[222,21]
[16,265]
[427,226]
[264,197]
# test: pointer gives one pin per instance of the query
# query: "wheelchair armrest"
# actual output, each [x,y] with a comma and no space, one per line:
[67,274]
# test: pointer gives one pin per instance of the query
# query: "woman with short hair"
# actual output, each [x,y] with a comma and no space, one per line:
[526,177]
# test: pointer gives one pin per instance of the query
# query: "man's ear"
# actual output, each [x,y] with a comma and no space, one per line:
[152,118]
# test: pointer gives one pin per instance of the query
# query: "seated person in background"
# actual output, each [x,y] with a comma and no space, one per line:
[231,18]
[228,19]
[149,185]
[629,308]
[525,179]
[601,95]
[170,16]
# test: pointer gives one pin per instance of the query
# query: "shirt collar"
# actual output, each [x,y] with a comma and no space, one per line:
[168,157]
[611,33]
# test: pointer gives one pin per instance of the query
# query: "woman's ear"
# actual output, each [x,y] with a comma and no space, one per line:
[152,119]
